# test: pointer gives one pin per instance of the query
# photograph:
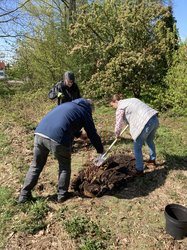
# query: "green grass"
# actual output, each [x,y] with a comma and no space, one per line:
[33,217]
[88,234]
[6,212]
[132,218]
[5,145]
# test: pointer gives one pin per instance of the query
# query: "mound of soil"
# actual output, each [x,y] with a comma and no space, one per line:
[94,181]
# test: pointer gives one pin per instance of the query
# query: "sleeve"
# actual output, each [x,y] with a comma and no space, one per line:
[75,92]
[93,135]
[78,134]
[54,91]
[78,92]
[120,113]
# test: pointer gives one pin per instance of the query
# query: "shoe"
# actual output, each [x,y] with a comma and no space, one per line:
[63,198]
[26,198]
[137,173]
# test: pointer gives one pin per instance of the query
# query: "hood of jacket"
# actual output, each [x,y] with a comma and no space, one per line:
[83,103]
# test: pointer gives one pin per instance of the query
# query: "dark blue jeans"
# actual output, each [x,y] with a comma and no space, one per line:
[147,136]
[42,147]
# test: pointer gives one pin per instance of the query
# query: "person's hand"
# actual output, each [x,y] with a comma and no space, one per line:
[59,94]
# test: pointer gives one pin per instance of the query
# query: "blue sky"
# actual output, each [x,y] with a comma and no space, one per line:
[180,14]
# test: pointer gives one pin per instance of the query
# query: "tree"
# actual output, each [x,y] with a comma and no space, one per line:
[44,47]
[176,95]
[123,46]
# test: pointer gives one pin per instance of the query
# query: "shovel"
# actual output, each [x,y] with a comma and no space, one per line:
[103,157]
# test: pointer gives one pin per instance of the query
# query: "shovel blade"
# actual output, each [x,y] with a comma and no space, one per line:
[100,161]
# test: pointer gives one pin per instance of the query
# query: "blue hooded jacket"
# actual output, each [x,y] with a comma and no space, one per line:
[66,120]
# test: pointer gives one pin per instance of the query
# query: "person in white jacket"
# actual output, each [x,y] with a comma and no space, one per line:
[143,123]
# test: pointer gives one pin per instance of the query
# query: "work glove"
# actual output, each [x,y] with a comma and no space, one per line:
[59,95]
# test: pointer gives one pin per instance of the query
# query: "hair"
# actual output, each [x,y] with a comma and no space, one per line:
[69,76]
[91,104]
[116,97]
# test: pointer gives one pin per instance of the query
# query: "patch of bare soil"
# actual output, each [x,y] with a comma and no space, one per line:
[94,181]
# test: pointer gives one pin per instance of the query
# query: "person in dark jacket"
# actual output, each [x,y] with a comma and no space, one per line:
[55,134]
[66,90]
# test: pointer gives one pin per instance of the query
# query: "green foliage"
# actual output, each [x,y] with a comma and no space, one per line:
[171,143]
[42,54]
[176,80]
[88,232]
[76,227]
[123,46]
[112,46]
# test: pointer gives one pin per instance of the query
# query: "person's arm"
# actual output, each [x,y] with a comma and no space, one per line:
[93,135]
[78,92]
[74,92]
[120,113]
[55,91]
[78,134]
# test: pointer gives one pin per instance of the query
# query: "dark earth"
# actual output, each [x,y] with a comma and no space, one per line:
[113,174]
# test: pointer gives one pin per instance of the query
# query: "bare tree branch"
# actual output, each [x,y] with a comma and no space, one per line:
[66,3]
[8,20]
[14,10]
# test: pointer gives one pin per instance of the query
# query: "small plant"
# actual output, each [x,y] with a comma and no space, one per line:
[76,226]
[91,244]
[88,233]
[30,226]
[38,210]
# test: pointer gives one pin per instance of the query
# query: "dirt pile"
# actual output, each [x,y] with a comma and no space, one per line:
[94,181]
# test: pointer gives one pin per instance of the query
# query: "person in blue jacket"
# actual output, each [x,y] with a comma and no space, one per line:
[55,134]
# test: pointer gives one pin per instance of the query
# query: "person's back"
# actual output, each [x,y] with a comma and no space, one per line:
[65,121]
[137,114]
[143,123]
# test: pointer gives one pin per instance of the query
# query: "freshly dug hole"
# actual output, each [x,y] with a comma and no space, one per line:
[94,181]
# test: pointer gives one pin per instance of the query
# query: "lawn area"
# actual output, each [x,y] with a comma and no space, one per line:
[132,218]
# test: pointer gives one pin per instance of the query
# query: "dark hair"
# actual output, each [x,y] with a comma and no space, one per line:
[69,76]
[116,97]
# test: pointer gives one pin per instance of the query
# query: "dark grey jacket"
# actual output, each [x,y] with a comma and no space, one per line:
[68,94]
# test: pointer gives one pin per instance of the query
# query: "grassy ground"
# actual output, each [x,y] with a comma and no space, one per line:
[132,218]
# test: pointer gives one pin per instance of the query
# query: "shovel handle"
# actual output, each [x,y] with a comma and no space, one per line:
[114,142]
